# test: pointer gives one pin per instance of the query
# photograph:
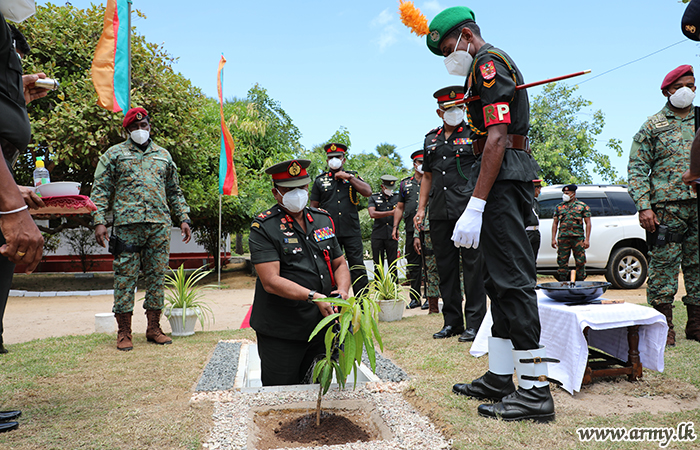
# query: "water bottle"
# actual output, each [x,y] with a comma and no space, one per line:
[41,174]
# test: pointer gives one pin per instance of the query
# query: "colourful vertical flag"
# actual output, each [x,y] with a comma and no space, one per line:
[110,66]
[228,185]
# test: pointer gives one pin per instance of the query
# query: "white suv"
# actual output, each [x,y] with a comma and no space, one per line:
[618,243]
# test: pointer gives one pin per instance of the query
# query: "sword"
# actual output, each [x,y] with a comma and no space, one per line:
[462,101]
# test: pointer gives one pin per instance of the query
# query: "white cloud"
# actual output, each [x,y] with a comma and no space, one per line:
[432,6]
[386,20]
[387,37]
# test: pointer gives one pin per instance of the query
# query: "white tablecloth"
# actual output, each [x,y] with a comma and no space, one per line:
[562,334]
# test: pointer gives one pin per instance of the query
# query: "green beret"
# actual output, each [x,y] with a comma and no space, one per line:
[444,23]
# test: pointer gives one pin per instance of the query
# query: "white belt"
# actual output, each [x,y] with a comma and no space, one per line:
[532,228]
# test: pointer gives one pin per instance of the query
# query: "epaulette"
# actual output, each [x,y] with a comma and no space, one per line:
[319,210]
[321,174]
[407,178]
[658,120]
[433,130]
[272,212]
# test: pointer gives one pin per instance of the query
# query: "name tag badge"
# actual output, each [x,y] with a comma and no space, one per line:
[291,240]
[323,233]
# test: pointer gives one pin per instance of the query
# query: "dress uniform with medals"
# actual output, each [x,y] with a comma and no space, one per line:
[381,208]
[448,158]
[496,217]
[340,199]
[306,256]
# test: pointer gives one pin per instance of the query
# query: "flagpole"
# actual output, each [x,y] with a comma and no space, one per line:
[218,251]
[128,40]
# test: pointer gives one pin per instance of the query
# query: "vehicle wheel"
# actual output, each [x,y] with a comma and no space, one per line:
[627,268]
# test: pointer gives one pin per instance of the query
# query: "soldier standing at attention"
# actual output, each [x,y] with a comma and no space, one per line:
[381,208]
[423,245]
[337,192]
[298,260]
[667,208]
[409,191]
[501,180]
[570,215]
[137,180]
[447,162]
[533,230]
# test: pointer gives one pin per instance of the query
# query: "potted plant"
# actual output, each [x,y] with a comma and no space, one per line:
[386,291]
[184,304]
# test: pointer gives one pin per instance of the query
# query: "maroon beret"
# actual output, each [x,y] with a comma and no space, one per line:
[675,74]
[133,115]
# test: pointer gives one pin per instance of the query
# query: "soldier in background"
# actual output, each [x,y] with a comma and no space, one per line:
[667,208]
[381,208]
[138,181]
[409,192]
[424,247]
[570,216]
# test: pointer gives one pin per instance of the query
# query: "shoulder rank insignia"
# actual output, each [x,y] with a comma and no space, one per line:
[323,233]
[488,70]
[255,225]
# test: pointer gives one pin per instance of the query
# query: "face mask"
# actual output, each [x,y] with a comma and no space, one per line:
[682,98]
[140,136]
[453,116]
[335,163]
[294,200]
[458,62]
[419,169]
[566,197]
[17,10]
[388,192]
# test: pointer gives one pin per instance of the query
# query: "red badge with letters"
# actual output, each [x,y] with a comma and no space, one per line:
[488,70]
[496,113]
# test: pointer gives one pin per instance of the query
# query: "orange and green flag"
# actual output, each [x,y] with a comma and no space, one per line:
[110,66]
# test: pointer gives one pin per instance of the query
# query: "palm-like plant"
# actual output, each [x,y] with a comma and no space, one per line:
[183,292]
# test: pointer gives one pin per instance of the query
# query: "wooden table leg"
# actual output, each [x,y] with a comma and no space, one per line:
[633,355]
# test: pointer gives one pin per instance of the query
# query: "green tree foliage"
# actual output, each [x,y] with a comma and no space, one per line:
[562,143]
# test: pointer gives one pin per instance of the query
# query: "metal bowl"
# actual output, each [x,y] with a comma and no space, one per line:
[581,291]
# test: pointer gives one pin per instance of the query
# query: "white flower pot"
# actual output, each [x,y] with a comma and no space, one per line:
[391,310]
[175,318]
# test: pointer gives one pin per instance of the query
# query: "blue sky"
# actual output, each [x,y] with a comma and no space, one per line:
[354,64]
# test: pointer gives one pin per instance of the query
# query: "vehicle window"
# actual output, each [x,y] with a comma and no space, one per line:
[599,206]
[622,203]
[547,207]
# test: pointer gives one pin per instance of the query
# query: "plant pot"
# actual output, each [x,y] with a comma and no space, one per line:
[391,310]
[175,318]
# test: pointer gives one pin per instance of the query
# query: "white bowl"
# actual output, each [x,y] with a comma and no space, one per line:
[58,188]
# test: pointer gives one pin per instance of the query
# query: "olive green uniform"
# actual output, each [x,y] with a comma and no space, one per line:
[409,193]
[384,247]
[432,278]
[284,326]
[340,199]
[570,238]
[140,187]
[449,160]
[660,152]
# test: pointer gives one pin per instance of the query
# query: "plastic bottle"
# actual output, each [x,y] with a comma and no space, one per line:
[41,174]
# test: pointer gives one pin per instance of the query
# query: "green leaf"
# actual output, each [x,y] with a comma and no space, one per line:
[370,351]
[322,324]
[377,335]
[328,341]
[349,352]
[358,345]
[317,369]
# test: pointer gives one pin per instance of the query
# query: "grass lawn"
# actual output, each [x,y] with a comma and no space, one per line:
[80,392]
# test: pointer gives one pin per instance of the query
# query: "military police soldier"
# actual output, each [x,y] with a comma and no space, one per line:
[447,162]
[137,180]
[569,219]
[337,192]
[533,228]
[298,260]
[667,208]
[409,192]
[501,180]
[381,208]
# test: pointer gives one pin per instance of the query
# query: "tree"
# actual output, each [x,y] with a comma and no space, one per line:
[563,144]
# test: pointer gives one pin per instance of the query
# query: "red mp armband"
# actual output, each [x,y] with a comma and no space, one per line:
[496,113]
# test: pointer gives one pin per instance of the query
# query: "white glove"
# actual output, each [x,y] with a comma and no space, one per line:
[468,228]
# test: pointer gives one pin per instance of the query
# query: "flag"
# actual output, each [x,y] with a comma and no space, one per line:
[110,66]
[227,171]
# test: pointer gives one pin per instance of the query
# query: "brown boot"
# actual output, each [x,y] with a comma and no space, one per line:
[433,305]
[124,334]
[692,328]
[667,310]
[153,331]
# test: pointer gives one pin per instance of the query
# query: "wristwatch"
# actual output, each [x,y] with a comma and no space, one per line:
[310,297]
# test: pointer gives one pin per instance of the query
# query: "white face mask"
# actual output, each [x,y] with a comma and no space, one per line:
[566,197]
[294,200]
[17,10]
[419,168]
[682,98]
[453,116]
[458,62]
[140,136]
[335,163]
[388,191]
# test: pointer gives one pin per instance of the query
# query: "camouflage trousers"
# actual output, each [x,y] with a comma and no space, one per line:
[432,279]
[662,284]
[566,245]
[154,238]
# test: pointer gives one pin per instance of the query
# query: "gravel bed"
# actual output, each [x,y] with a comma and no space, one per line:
[220,372]
[386,370]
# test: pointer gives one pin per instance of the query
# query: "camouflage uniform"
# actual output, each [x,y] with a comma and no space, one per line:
[139,185]
[432,279]
[570,238]
[659,155]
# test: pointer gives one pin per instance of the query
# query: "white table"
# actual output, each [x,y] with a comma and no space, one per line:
[607,327]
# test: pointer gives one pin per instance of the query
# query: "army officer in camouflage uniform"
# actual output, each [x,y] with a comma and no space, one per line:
[299,261]
[138,181]
[667,208]
[570,215]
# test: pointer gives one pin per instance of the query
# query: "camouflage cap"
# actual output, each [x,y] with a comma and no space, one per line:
[444,23]
[291,173]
